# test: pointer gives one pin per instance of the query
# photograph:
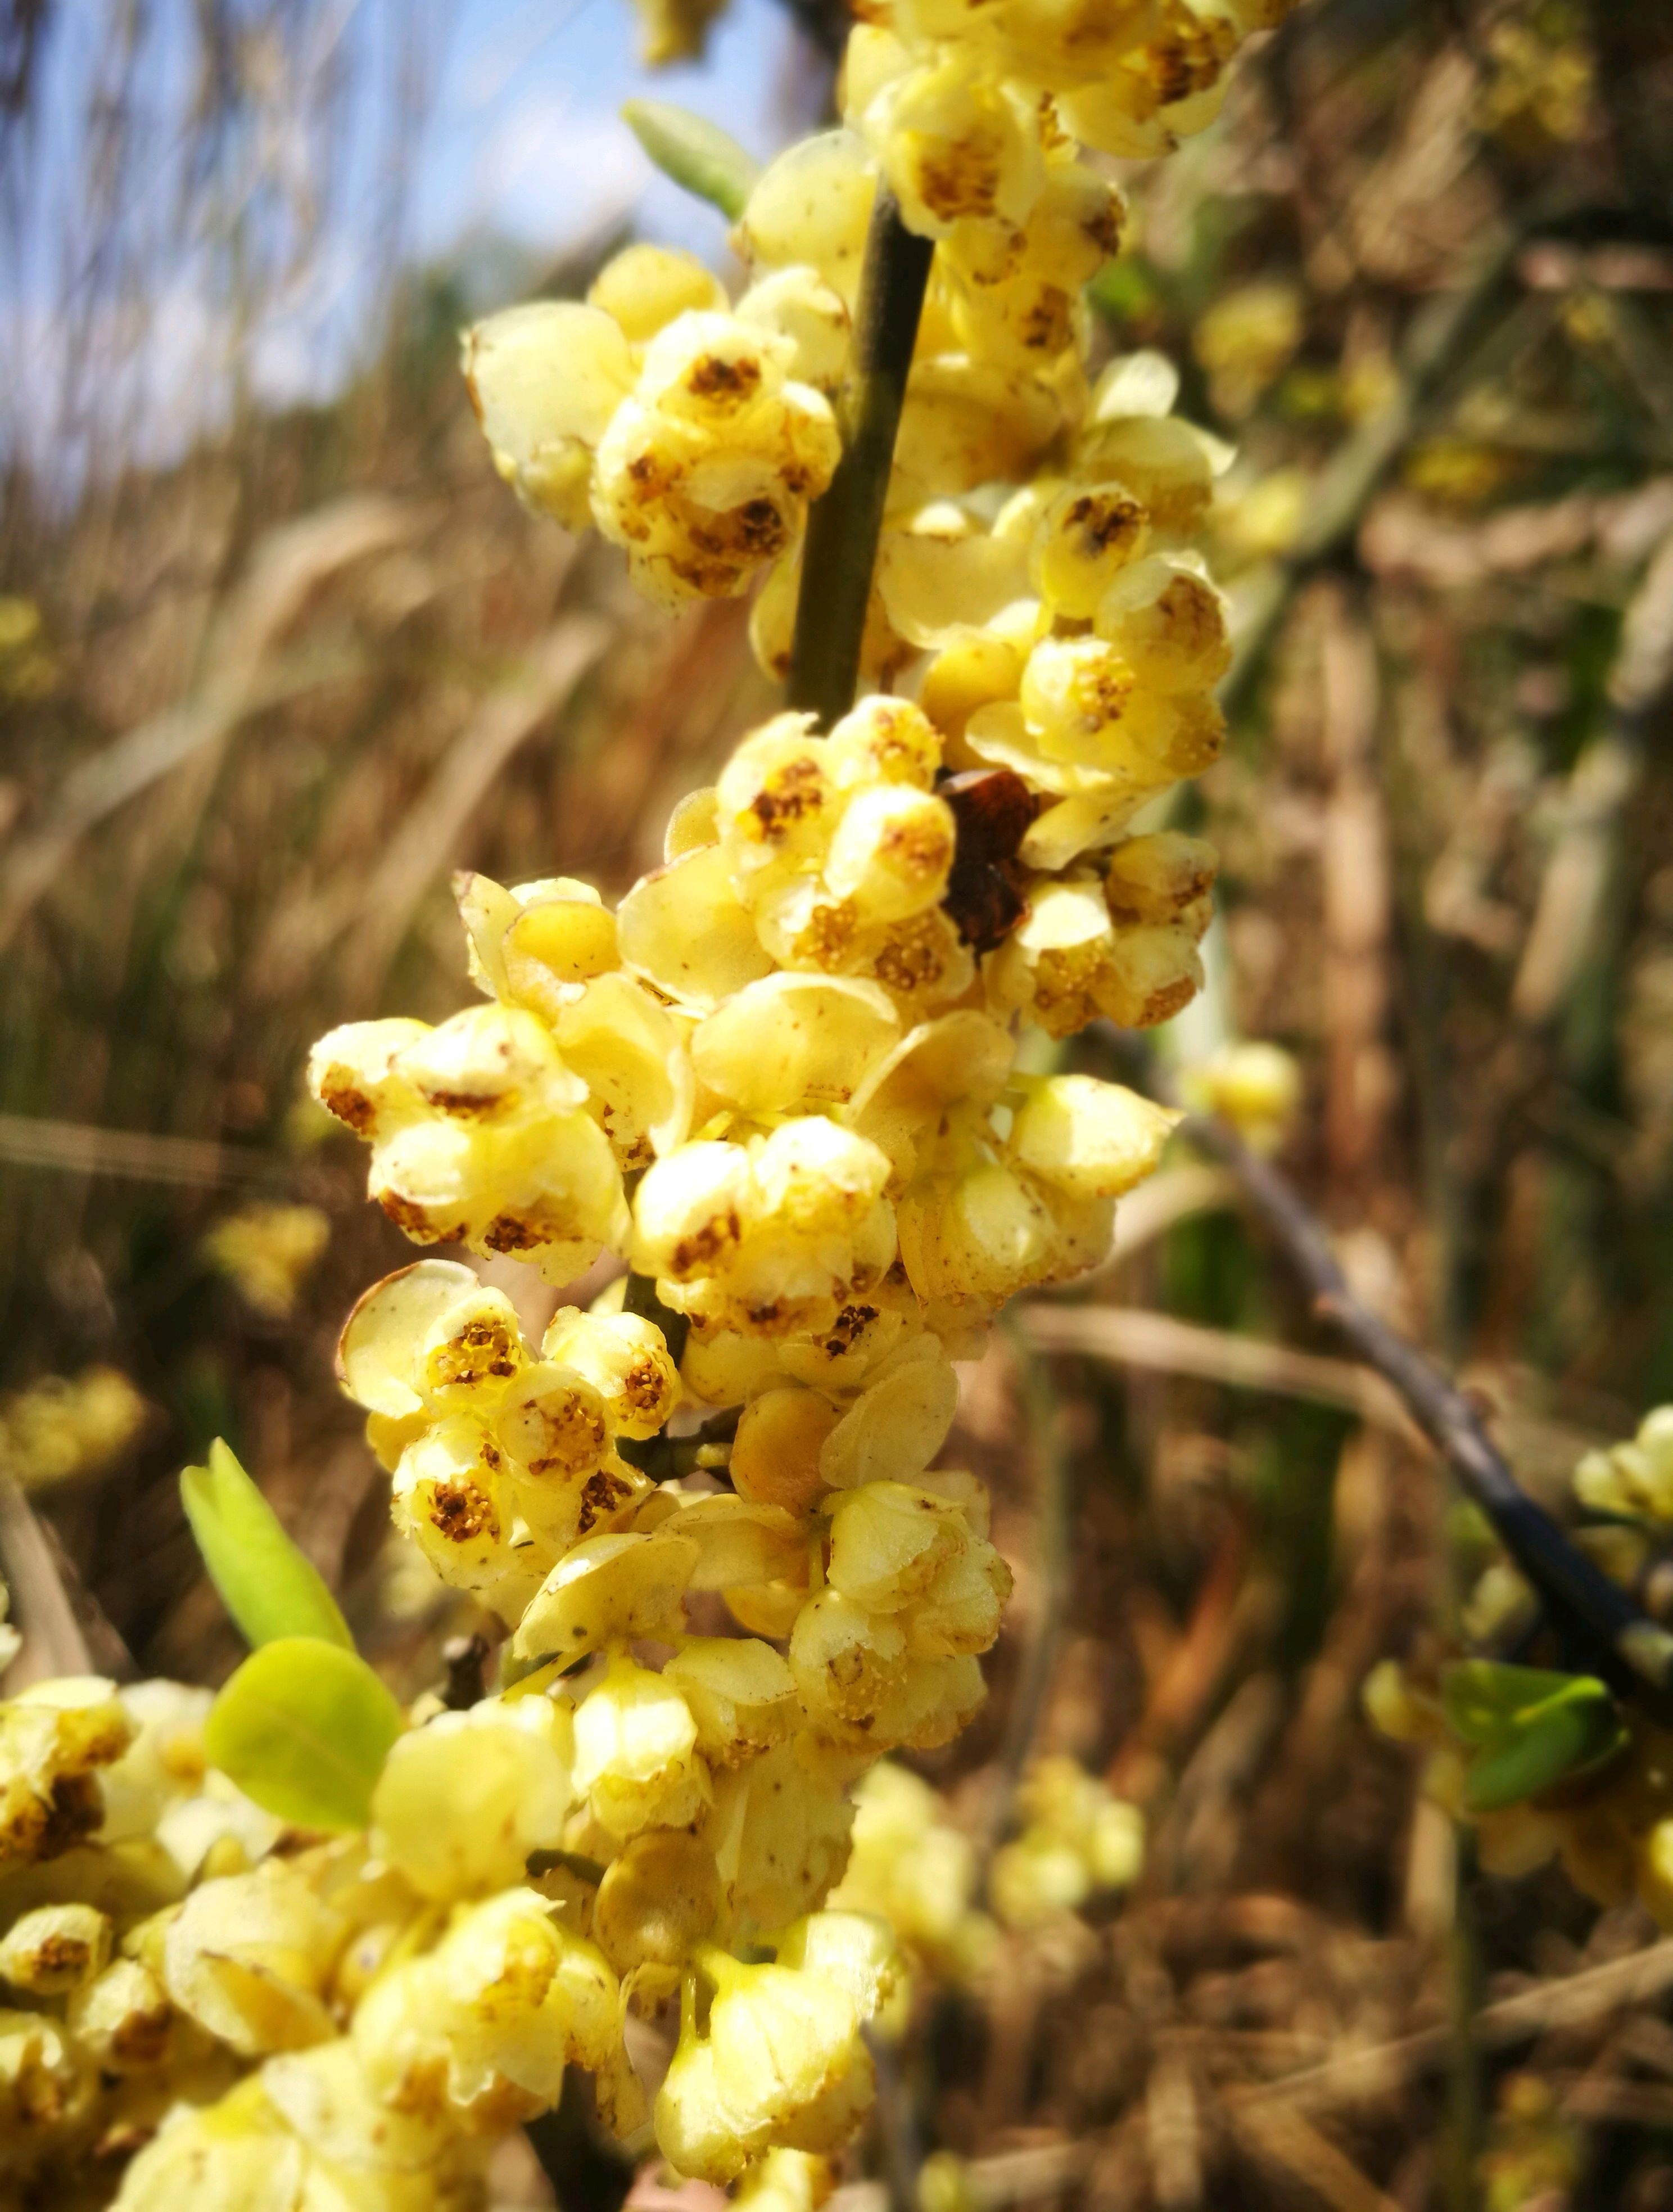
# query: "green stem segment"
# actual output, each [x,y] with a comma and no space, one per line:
[845,525]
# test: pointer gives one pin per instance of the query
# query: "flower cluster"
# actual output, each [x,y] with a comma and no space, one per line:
[1077,1840]
[694,435]
[783,1080]
[913,1868]
[266,1251]
[153,1955]
[204,2007]
[693,431]
[67,1425]
[782,1045]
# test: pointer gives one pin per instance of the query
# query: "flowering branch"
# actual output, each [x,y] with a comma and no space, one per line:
[843,526]
[1636,1653]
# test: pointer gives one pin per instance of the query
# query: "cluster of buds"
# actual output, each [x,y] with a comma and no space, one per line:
[693,434]
[111,1828]
[847,1175]
[912,1867]
[693,431]
[1131,78]
[1077,1840]
[203,2007]
[784,1080]
[67,1425]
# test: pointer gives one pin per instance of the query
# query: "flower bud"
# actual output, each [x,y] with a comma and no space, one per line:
[1087,536]
[1088,1139]
[659,1899]
[643,287]
[684,929]
[449,1495]
[776,1452]
[55,1950]
[377,1357]
[690,1209]
[740,1692]
[552,1424]
[856,1950]
[636,1752]
[797,304]
[608,1588]
[247,1957]
[782,2065]
[472,1352]
[1159,877]
[54,1735]
[1169,622]
[463,1801]
[545,379]
[779,1831]
[812,207]
[625,1358]
[957,142]
[794,1040]
[122,2019]
[883,740]
[352,1073]
[892,852]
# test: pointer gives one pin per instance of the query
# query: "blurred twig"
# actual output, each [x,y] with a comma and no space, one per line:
[1578,878]
[135,1155]
[1361,2076]
[428,836]
[241,678]
[1136,1338]
[53,1642]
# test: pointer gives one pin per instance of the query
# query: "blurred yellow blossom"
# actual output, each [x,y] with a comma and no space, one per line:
[67,1426]
[266,1252]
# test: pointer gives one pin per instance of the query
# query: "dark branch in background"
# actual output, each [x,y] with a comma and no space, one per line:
[841,551]
[465,1658]
[1634,1655]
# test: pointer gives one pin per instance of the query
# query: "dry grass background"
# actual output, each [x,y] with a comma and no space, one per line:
[283,684]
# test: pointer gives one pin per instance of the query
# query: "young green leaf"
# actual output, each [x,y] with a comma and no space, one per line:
[304,1728]
[1563,1737]
[699,155]
[1532,1725]
[1483,1699]
[266,1584]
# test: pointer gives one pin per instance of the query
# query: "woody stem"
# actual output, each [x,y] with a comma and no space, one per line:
[843,526]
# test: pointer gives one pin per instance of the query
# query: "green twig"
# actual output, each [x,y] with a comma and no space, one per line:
[843,526]
[663,1457]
